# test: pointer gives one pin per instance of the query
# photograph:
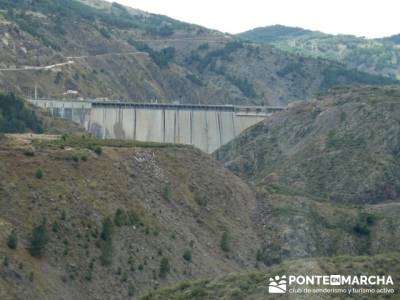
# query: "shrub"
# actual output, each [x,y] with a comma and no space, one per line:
[12,240]
[167,193]
[106,243]
[39,174]
[75,158]
[29,152]
[225,243]
[161,58]
[361,228]
[39,240]
[243,85]
[164,267]
[6,261]
[64,137]
[120,217]
[195,79]
[131,290]
[107,230]
[98,150]
[364,220]
[187,255]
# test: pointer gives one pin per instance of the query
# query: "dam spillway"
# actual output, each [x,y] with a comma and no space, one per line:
[206,127]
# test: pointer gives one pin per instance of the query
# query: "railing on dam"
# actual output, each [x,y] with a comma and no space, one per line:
[117,103]
[207,127]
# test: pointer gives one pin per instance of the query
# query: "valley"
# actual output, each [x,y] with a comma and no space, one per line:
[143,157]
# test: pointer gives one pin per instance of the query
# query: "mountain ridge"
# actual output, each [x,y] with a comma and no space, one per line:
[119,54]
[376,56]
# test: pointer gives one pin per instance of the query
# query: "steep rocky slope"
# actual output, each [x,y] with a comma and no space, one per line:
[107,50]
[175,214]
[343,147]
[327,172]
[375,56]
[328,227]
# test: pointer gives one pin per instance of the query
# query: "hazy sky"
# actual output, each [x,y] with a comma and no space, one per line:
[370,18]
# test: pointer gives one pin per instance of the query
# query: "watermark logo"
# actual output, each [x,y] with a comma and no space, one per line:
[277,285]
[325,284]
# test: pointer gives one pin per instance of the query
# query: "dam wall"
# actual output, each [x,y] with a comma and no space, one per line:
[206,127]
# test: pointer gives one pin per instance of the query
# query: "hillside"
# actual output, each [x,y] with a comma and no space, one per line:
[173,215]
[18,116]
[112,219]
[343,147]
[109,51]
[327,174]
[375,56]
[254,286]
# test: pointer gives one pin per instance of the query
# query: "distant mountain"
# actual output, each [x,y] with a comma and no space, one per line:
[394,39]
[273,33]
[375,56]
[106,50]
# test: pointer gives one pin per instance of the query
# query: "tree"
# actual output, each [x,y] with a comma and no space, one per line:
[120,217]
[39,174]
[39,240]
[225,242]
[164,267]
[106,243]
[12,240]
[187,255]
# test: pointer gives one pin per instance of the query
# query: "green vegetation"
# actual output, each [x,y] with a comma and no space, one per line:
[364,221]
[187,255]
[106,245]
[16,116]
[39,239]
[252,285]
[225,242]
[167,192]
[336,75]
[6,261]
[161,58]
[195,79]
[164,267]
[120,217]
[39,174]
[243,85]
[375,56]
[98,150]
[336,171]
[118,16]
[12,240]
[210,59]
[394,39]
[131,290]
[273,33]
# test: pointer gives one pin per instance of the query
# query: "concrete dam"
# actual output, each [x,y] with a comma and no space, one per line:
[206,127]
